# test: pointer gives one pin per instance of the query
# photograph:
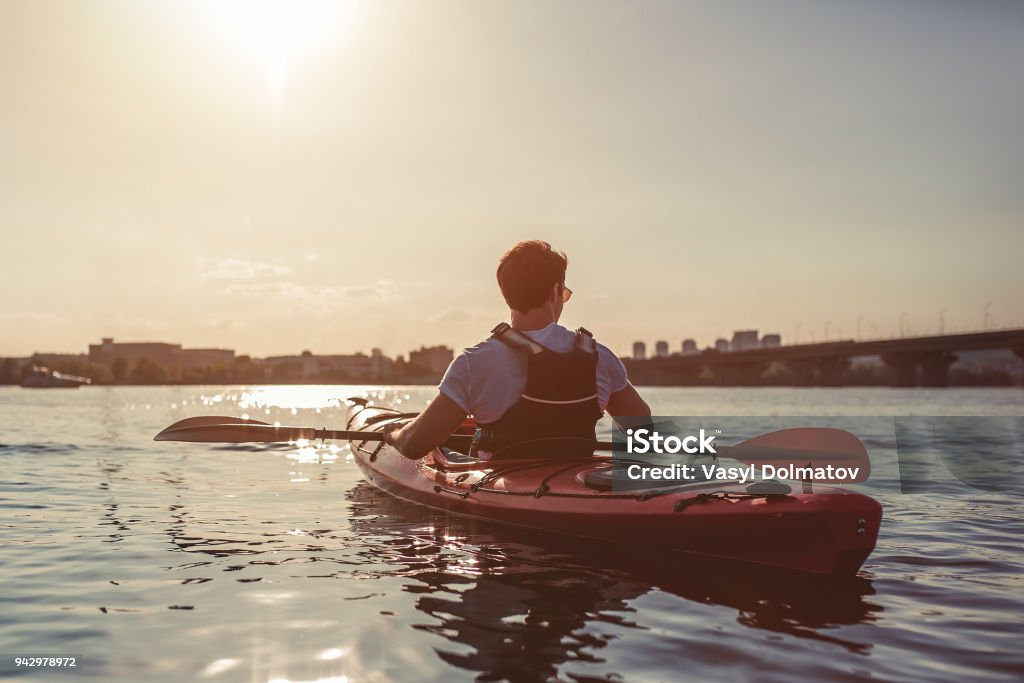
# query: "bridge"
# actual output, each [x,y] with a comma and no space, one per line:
[915,361]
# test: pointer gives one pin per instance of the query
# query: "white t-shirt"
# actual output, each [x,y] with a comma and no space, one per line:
[487,379]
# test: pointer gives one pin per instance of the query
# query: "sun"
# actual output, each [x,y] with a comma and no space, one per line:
[281,33]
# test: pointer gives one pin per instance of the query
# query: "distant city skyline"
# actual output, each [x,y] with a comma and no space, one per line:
[346,176]
[748,339]
[800,335]
[979,359]
[172,352]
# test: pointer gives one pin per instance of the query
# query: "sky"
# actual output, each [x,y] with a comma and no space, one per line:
[273,177]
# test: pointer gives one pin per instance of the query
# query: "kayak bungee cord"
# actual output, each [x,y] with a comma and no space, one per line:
[496,473]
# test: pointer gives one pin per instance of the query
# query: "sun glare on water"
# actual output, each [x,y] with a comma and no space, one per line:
[280,33]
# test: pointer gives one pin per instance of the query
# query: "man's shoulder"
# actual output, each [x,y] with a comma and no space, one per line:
[555,336]
[608,362]
[489,348]
[606,352]
[483,346]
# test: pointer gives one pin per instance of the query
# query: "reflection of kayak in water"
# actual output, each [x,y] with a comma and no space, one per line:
[514,606]
[829,532]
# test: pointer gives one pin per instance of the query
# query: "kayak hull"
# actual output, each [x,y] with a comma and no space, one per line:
[831,531]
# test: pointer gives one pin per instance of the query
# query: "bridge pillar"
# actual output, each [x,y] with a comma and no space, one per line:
[725,375]
[739,374]
[752,372]
[688,376]
[935,368]
[831,369]
[905,366]
[802,372]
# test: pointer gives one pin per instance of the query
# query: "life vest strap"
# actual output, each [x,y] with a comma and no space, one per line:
[516,339]
[560,403]
[585,340]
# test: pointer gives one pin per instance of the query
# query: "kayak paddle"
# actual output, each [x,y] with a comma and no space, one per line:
[216,429]
[801,446]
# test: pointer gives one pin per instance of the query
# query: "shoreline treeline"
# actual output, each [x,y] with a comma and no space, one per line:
[244,370]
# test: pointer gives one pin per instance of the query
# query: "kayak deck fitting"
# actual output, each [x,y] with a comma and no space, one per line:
[831,531]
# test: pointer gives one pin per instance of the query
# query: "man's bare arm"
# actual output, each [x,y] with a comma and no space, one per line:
[627,403]
[428,430]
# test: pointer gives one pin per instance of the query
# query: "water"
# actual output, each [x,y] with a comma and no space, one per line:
[184,562]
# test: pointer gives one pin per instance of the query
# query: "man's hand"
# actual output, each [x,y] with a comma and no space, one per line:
[389,431]
[428,430]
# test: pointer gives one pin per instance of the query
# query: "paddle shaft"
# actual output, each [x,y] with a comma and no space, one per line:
[264,433]
[801,446]
[255,432]
[252,432]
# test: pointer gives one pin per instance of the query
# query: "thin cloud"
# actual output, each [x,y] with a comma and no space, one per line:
[455,316]
[318,299]
[137,324]
[239,269]
[34,318]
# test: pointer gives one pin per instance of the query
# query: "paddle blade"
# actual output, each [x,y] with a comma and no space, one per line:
[203,420]
[814,447]
[235,432]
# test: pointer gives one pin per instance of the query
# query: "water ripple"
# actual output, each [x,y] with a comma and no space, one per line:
[169,562]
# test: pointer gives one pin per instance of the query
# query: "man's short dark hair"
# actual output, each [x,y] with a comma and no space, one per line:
[528,271]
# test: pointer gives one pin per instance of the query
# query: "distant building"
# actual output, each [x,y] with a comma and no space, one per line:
[744,340]
[381,367]
[434,358]
[291,367]
[357,367]
[55,358]
[107,351]
[639,350]
[200,358]
[168,355]
[690,347]
[721,345]
[771,341]
[661,349]
[375,367]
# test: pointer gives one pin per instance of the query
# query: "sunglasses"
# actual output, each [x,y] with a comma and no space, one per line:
[566,294]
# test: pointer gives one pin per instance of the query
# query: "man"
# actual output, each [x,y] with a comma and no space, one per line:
[534,387]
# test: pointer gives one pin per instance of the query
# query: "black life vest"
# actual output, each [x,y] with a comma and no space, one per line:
[558,411]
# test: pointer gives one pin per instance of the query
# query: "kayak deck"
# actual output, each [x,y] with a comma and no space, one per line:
[831,531]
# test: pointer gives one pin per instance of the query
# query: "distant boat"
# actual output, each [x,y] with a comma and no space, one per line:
[45,378]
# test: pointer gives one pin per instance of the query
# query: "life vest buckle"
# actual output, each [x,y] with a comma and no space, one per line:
[585,340]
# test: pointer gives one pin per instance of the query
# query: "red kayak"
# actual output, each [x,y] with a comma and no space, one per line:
[831,531]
